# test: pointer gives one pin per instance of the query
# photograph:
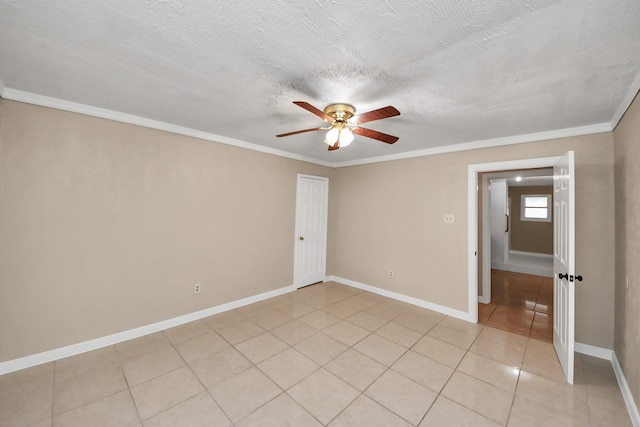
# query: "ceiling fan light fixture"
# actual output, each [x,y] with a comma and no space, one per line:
[339,133]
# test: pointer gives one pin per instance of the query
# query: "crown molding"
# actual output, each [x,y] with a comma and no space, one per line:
[46,101]
[626,102]
[487,143]
[74,107]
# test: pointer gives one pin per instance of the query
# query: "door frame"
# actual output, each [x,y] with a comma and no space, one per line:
[472,218]
[296,278]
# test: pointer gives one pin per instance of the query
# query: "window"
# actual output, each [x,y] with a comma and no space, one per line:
[535,207]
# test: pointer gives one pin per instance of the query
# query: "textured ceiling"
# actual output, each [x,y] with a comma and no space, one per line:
[459,71]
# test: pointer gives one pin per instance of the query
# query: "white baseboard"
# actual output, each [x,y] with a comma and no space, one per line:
[484,300]
[606,354]
[72,350]
[514,268]
[626,392]
[592,350]
[404,298]
[533,254]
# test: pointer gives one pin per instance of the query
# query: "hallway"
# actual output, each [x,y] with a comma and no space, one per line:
[520,303]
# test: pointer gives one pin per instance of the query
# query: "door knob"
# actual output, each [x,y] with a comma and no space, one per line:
[301,238]
[563,276]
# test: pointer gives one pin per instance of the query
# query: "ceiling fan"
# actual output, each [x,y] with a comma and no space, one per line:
[344,123]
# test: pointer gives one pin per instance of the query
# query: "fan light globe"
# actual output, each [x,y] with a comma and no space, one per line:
[332,136]
[346,136]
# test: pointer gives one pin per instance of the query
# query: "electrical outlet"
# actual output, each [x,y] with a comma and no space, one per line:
[196,288]
[448,218]
[390,273]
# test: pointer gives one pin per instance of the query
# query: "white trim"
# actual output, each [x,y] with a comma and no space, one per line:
[404,298]
[523,269]
[534,254]
[626,102]
[46,101]
[592,350]
[472,218]
[487,143]
[72,350]
[74,107]
[626,391]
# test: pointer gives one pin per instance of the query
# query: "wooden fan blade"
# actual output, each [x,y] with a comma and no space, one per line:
[314,110]
[389,139]
[380,113]
[298,131]
[334,146]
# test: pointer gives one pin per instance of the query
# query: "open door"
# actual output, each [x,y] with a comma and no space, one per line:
[564,262]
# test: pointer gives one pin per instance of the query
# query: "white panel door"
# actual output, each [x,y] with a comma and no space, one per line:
[564,262]
[311,230]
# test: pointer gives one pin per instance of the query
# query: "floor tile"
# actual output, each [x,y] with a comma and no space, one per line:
[288,368]
[486,399]
[356,369]
[197,411]
[220,366]
[281,411]
[261,347]
[224,319]
[341,310]
[421,323]
[462,339]
[151,365]
[540,359]
[187,331]
[26,396]
[399,334]
[323,395]
[272,319]
[294,332]
[151,343]
[445,413]
[103,359]
[555,395]
[346,332]
[161,393]
[242,394]
[240,331]
[404,397]
[201,346]
[526,412]
[79,390]
[423,370]
[319,319]
[490,371]
[365,412]
[296,309]
[321,348]
[380,349]
[366,321]
[116,410]
[440,351]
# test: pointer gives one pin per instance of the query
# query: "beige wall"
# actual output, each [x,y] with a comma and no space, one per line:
[529,236]
[627,196]
[389,216]
[106,226]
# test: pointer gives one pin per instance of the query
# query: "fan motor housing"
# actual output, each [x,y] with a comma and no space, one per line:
[340,112]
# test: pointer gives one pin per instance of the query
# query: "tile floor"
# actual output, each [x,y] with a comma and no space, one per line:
[327,354]
[520,303]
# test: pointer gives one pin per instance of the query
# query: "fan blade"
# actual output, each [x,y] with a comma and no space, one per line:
[380,113]
[389,139]
[314,110]
[298,131]
[334,146]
